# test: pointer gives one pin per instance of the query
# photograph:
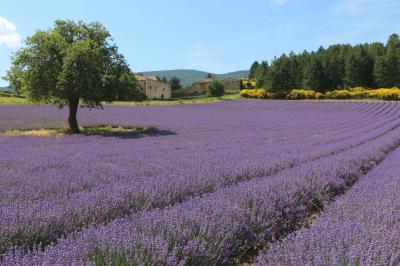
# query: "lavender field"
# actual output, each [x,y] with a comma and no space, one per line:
[263,182]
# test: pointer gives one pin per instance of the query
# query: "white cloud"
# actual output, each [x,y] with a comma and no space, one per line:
[8,33]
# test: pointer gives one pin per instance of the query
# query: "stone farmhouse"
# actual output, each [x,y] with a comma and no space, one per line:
[229,84]
[153,88]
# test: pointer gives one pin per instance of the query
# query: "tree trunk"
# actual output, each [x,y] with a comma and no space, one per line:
[73,110]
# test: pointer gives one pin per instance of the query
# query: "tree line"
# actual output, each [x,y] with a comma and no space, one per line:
[339,66]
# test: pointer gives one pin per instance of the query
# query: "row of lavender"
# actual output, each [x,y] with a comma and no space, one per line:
[28,117]
[42,167]
[41,157]
[117,191]
[360,228]
[219,227]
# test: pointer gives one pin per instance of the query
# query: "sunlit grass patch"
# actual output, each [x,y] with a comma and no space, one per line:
[44,132]
[106,130]
[12,101]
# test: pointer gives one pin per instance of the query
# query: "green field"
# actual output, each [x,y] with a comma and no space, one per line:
[12,100]
[230,95]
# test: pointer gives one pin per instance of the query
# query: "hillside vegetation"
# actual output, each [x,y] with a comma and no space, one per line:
[188,76]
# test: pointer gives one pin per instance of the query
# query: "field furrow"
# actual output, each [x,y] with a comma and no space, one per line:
[221,226]
[359,228]
[231,178]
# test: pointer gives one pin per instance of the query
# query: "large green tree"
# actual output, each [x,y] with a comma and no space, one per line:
[314,75]
[387,66]
[216,89]
[281,80]
[261,74]
[359,68]
[175,84]
[69,63]
[253,70]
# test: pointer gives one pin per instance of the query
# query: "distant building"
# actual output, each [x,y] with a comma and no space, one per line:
[232,83]
[229,84]
[201,85]
[153,88]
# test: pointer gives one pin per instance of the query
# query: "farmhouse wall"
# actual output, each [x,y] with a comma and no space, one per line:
[154,89]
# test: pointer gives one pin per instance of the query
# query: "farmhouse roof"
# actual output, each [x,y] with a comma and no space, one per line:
[142,78]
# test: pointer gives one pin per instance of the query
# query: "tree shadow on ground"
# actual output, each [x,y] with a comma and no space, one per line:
[126,132]
[103,130]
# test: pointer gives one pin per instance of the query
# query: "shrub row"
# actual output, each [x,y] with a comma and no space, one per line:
[387,94]
[392,94]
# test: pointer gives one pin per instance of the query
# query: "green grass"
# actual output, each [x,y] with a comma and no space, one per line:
[230,95]
[12,100]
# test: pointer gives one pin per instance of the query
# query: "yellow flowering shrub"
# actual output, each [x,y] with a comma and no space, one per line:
[391,94]
[256,93]
[244,93]
[248,84]
[300,94]
[363,93]
[319,96]
[387,94]
[338,94]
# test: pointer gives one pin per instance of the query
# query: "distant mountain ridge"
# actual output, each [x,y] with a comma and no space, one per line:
[188,76]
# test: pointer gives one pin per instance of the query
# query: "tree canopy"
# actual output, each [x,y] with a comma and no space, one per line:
[338,66]
[216,89]
[175,84]
[69,63]
[253,69]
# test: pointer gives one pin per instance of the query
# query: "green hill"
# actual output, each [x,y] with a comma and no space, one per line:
[188,76]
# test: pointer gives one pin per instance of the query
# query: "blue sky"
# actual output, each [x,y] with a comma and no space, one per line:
[211,35]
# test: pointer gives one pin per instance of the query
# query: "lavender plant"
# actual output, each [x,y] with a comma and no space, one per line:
[208,195]
[360,228]
[235,177]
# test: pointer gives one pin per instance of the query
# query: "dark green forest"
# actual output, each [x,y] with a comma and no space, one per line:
[374,65]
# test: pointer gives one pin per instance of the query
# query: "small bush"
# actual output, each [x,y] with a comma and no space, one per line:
[244,93]
[256,93]
[319,96]
[338,94]
[216,89]
[248,84]
[300,94]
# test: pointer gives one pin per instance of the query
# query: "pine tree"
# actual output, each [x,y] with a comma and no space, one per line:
[359,68]
[314,77]
[261,75]
[253,70]
[387,67]
[280,79]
